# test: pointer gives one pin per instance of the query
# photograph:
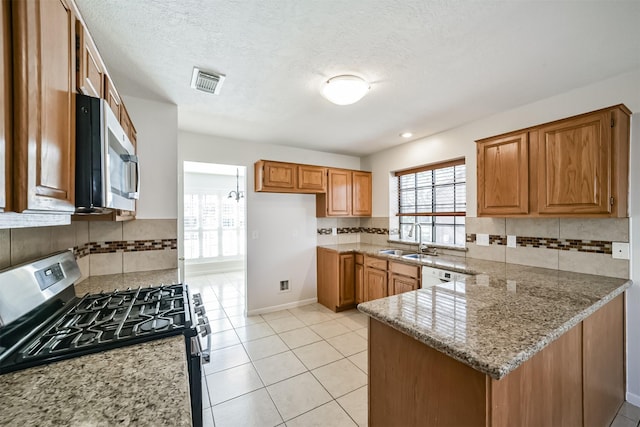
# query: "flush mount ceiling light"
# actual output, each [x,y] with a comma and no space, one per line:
[345,89]
[406,134]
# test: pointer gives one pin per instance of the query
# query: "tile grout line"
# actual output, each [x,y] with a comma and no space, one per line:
[289,349]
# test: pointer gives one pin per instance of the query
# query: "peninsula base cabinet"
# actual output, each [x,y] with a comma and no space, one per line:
[336,279]
[577,380]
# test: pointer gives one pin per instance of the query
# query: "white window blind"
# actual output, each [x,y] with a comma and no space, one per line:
[213,226]
[436,197]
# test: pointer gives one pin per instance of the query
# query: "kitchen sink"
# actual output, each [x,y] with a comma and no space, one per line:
[417,257]
[397,252]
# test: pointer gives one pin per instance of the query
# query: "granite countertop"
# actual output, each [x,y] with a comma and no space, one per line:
[127,386]
[496,319]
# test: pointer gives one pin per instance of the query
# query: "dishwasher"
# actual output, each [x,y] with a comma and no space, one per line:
[436,276]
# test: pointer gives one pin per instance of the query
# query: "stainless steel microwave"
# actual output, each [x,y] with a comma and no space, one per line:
[107,169]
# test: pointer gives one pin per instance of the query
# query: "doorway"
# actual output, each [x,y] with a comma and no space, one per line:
[213,230]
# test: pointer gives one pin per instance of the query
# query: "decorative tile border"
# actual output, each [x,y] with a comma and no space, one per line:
[124,246]
[592,246]
[353,230]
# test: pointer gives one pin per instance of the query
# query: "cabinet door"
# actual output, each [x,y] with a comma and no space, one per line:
[503,175]
[44,105]
[359,283]
[112,96]
[574,166]
[90,77]
[312,178]
[338,192]
[347,291]
[361,194]
[127,125]
[5,107]
[375,283]
[399,284]
[280,175]
[328,277]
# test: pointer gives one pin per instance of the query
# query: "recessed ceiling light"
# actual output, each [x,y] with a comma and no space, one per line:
[345,89]
[406,134]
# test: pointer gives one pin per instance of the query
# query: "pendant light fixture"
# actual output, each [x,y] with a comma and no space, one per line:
[345,89]
[236,194]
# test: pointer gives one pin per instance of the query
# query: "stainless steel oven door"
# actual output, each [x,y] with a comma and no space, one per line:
[121,168]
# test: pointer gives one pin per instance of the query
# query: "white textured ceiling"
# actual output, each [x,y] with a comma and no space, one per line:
[433,65]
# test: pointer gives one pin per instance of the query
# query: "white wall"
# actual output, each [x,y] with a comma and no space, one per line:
[460,141]
[284,224]
[157,127]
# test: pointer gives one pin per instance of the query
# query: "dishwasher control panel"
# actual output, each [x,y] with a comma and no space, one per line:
[434,276]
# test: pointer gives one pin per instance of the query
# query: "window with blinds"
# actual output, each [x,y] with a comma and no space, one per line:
[436,197]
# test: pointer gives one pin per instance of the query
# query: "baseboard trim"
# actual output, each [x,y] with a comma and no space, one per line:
[634,399]
[286,306]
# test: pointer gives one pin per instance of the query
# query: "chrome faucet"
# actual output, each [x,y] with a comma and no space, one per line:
[422,247]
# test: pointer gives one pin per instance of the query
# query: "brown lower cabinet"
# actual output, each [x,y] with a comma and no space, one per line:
[577,380]
[403,277]
[347,279]
[336,279]
[375,278]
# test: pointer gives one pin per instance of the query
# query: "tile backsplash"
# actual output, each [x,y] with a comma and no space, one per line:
[571,244]
[100,247]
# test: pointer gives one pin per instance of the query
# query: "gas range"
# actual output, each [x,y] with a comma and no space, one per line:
[42,321]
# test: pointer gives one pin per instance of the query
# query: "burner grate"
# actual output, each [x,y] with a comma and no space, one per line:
[100,320]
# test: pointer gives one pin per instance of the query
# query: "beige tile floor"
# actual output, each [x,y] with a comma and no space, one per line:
[300,367]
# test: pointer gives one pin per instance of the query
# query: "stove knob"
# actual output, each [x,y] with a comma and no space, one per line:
[203,320]
[197,299]
[205,330]
[200,310]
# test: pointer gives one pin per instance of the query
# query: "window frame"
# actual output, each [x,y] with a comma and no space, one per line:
[433,215]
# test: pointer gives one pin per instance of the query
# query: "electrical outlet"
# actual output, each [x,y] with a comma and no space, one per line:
[482,280]
[511,241]
[284,286]
[255,235]
[482,239]
[334,231]
[511,286]
[620,250]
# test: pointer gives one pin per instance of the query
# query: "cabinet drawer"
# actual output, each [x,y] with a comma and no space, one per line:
[359,259]
[404,269]
[380,264]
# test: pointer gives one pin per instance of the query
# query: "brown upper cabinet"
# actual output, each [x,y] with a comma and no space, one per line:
[281,177]
[112,96]
[5,107]
[348,194]
[90,70]
[575,167]
[127,125]
[503,175]
[44,86]
[339,192]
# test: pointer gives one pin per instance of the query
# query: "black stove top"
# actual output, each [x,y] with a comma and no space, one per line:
[98,322]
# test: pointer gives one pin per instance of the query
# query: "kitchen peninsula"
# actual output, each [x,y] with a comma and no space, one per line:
[513,345]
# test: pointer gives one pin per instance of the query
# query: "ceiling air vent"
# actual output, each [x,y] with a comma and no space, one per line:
[206,81]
